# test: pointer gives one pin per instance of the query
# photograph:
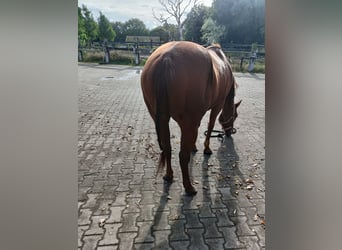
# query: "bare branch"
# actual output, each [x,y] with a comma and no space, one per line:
[176,9]
[160,18]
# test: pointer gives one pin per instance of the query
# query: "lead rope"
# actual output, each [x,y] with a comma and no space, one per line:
[219,134]
[216,133]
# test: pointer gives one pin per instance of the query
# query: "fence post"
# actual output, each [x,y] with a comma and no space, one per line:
[241,63]
[106,52]
[137,55]
[251,62]
[80,55]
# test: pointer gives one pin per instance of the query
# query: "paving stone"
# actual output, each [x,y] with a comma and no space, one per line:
[251,242]
[162,239]
[91,201]
[175,212]
[161,221]
[196,239]
[260,231]
[112,247]
[115,214]
[143,246]
[95,227]
[223,219]
[133,205]
[230,237]
[84,217]
[90,242]
[226,193]
[82,194]
[120,199]
[102,207]
[180,245]
[241,225]
[146,212]
[147,197]
[110,236]
[126,240]
[178,230]
[211,228]
[81,230]
[117,175]
[252,216]
[145,232]
[216,244]
[192,220]
[129,223]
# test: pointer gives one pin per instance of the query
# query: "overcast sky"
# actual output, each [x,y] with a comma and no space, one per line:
[123,10]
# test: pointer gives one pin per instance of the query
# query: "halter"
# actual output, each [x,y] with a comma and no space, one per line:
[231,128]
[220,134]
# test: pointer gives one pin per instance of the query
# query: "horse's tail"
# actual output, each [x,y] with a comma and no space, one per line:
[162,76]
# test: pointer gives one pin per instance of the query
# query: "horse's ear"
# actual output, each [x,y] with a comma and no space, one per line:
[238,104]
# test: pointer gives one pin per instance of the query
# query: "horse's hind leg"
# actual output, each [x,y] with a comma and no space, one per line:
[189,135]
[213,114]
[166,145]
[194,148]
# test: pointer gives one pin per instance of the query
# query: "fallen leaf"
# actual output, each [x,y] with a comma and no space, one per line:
[255,217]
[249,181]
[102,222]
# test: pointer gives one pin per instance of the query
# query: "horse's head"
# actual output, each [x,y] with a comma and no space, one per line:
[228,115]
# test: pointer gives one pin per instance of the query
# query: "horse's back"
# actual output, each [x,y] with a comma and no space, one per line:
[187,69]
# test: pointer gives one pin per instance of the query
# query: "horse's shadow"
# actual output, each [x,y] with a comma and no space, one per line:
[222,180]
[212,208]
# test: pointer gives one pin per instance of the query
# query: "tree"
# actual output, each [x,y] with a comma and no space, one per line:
[106,31]
[90,25]
[244,20]
[82,35]
[176,9]
[161,32]
[211,32]
[194,22]
[120,32]
[135,27]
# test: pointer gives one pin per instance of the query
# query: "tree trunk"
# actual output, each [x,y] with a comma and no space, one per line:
[180,30]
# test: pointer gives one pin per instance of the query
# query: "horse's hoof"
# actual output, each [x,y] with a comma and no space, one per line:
[207,151]
[167,178]
[190,192]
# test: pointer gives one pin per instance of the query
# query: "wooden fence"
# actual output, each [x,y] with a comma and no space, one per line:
[141,47]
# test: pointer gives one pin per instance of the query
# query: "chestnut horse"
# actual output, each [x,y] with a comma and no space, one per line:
[183,80]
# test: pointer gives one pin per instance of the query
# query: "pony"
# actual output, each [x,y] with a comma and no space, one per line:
[183,80]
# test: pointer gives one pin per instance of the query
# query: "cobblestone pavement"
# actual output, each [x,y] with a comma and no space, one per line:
[122,204]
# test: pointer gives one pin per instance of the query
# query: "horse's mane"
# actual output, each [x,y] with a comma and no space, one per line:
[214,46]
